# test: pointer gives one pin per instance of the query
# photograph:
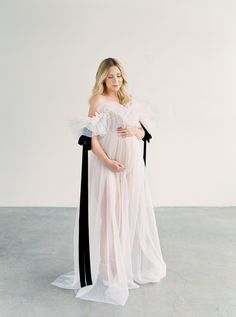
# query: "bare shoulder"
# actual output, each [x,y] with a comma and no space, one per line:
[94,103]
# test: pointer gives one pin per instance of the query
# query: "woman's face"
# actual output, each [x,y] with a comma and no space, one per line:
[114,79]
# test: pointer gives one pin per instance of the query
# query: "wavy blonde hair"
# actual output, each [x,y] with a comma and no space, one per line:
[102,72]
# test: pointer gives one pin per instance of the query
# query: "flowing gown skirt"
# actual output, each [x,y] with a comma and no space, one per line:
[123,237]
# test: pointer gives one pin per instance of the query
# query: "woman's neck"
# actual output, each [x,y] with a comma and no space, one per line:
[112,95]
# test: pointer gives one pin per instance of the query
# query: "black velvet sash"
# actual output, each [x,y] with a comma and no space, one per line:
[84,256]
[147,137]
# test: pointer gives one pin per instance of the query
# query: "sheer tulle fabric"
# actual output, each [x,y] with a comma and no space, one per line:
[124,243]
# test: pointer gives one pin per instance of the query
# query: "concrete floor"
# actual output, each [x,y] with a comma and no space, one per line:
[198,245]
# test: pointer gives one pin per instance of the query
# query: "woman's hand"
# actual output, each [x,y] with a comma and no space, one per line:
[115,166]
[131,131]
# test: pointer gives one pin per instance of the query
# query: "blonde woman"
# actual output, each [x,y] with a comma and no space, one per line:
[116,241]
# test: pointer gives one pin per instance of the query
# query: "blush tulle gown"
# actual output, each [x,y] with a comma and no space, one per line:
[124,243]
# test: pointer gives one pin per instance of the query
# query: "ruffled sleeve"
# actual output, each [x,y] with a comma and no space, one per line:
[89,126]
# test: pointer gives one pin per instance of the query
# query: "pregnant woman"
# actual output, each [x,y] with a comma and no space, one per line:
[124,248]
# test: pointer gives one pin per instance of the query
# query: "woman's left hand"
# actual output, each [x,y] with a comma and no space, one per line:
[129,131]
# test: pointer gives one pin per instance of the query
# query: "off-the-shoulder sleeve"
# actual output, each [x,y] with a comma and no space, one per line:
[89,126]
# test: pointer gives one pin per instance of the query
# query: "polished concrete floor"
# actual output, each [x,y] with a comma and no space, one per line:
[198,245]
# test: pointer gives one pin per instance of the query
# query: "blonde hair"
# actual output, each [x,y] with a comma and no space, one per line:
[100,85]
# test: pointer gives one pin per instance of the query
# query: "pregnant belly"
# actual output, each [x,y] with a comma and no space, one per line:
[126,150]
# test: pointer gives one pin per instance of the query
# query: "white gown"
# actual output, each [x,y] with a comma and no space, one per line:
[123,237]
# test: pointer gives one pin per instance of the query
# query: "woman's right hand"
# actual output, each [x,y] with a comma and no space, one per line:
[115,166]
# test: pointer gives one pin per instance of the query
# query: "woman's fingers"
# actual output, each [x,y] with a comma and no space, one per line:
[122,132]
[121,165]
[129,131]
[116,166]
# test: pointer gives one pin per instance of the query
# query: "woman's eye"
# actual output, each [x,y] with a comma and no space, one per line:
[110,77]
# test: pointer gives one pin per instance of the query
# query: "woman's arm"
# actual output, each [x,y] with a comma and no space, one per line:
[98,150]
[140,133]
[113,165]
[96,147]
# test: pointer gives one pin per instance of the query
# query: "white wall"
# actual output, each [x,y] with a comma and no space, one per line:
[180,56]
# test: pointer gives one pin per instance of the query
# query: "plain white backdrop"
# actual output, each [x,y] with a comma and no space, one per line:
[180,57]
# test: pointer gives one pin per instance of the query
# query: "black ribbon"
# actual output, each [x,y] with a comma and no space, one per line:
[146,138]
[84,255]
